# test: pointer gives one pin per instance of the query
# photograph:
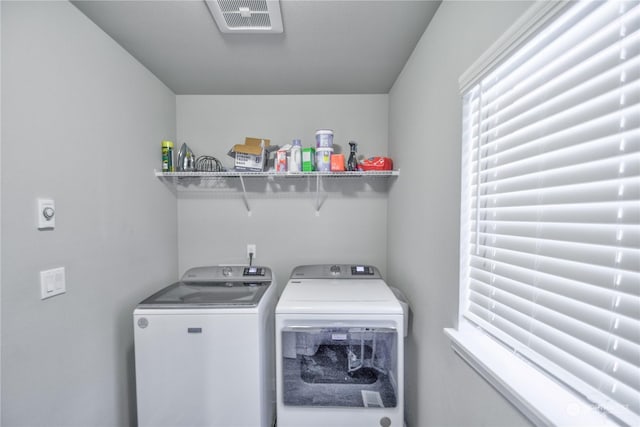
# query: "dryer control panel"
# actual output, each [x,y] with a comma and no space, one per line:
[336,271]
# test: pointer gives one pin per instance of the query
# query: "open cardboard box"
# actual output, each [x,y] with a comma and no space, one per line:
[252,155]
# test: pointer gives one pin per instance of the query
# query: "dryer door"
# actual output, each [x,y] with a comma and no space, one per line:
[353,366]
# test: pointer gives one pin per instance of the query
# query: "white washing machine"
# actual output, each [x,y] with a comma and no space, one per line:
[339,349]
[204,350]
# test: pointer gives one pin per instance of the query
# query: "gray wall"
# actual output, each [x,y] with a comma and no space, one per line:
[214,227]
[423,226]
[82,123]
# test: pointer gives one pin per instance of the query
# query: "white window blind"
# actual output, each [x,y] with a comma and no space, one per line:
[550,248]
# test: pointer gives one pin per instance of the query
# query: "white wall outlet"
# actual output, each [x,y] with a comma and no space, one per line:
[46,214]
[251,249]
[52,282]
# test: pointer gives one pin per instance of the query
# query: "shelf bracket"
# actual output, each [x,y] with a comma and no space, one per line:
[244,196]
[319,200]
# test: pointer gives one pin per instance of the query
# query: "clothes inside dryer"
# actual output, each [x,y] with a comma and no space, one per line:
[330,363]
[337,367]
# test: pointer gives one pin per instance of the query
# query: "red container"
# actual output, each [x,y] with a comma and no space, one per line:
[376,164]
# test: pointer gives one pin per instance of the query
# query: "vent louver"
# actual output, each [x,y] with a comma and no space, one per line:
[247,16]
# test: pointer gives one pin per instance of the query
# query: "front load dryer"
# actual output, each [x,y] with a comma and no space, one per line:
[339,349]
[204,350]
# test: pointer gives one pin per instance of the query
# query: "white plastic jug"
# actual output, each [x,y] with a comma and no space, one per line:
[295,158]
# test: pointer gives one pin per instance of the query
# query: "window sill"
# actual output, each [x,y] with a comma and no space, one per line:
[542,400]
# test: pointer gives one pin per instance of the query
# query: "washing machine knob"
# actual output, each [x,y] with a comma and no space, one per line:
[335,269]
[227,271]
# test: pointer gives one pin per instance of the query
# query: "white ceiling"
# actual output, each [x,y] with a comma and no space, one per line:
[328,46]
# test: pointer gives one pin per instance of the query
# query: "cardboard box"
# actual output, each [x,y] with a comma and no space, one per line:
[252,155]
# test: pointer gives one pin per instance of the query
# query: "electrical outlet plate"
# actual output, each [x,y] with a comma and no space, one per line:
[251,249]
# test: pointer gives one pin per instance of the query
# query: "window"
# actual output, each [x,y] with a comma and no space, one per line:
[550,238]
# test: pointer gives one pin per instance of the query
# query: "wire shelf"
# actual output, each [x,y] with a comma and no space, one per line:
[182,181]
[249,174]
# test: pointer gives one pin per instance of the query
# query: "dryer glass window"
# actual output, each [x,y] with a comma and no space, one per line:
[350,366]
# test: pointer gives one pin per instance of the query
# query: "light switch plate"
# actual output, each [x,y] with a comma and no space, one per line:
[52,282]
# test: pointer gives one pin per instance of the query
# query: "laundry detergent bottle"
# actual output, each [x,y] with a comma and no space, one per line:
[295,156]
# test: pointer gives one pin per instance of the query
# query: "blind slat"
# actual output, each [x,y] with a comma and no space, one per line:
[574,171]
[589,214]
[549,323]
[521,108]
[610,235]
[547,124]
[597,74]
[538,251]
[596,286]
[588,193]
[573,370]
[595,310]
[530,159]
[601,127]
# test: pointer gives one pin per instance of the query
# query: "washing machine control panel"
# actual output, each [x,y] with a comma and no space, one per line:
[227,273]
[253,271]
[362,270]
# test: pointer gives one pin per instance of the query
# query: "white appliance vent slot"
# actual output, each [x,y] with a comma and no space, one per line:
[247,16]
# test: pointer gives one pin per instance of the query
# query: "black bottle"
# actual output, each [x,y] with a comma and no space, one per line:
[352,163]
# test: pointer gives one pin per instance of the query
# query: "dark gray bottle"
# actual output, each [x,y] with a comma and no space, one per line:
[352,163]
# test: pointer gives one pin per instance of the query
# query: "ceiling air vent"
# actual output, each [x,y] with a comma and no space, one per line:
[247,16]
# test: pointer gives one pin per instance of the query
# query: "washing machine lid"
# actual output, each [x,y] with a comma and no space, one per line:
[199,294]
